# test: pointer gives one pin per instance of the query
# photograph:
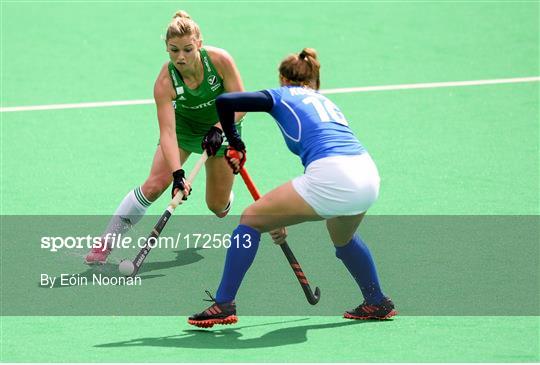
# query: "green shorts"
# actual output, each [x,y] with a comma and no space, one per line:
[192,143]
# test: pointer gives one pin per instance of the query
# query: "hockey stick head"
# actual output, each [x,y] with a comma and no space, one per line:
[313,298]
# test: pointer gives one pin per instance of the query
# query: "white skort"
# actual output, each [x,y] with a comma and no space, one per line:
[339,185]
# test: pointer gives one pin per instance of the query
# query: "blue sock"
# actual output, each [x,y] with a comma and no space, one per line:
[238,261]
[357,258]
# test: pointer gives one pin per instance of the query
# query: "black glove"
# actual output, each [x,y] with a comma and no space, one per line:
[236,143]
[228,156]
[179,182]
[212,141]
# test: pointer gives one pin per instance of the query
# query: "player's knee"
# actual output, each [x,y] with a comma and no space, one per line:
[154,187]
[217,206]
[250,218]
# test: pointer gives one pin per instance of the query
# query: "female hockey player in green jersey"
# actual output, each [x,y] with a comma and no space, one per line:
[185,92]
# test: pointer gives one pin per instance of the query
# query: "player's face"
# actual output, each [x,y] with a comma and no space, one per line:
[184,52]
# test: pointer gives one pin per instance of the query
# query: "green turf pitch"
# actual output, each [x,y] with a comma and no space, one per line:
[276,339]
[448,151]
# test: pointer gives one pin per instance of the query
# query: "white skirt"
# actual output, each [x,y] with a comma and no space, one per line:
[339,185]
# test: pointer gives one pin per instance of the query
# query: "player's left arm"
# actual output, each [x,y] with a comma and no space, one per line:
[230,103]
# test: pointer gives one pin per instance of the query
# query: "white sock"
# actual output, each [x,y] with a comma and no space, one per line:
[129,212]
[229,204]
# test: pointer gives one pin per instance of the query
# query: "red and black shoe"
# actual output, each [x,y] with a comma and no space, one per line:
[383,310]
[218,313]
[98,254]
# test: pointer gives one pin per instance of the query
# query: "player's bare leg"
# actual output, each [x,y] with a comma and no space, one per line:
[134,205]
[160,176]
[342,229]
[219,182]
[281,207]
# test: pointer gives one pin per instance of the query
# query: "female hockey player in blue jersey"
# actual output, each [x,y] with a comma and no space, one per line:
[339,184]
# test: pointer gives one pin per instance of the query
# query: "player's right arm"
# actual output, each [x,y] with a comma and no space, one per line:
[164,96]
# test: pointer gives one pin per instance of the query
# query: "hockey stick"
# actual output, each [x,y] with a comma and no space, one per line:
[312,298]
[131,268]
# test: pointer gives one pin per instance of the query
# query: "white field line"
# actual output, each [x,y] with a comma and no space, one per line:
[430,85]
[97,104]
